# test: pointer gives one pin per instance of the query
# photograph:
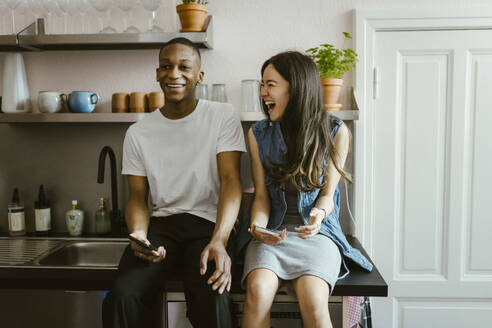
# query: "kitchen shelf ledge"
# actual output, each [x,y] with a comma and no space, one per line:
[29,40]
[129,117]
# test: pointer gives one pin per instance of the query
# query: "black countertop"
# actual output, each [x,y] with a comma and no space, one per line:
[358,283]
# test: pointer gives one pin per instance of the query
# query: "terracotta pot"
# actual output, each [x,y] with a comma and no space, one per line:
[192,16]
[331,93]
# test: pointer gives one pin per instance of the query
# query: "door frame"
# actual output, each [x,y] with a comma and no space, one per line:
[367,22]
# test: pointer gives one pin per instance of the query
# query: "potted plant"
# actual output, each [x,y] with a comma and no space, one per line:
[192,14]
[332,64]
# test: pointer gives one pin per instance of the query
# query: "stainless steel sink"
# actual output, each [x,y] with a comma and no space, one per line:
[85,254]
[61,252]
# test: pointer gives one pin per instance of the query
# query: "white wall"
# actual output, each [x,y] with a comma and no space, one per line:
[246,33]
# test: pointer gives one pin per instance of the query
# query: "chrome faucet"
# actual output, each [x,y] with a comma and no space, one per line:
[117,222]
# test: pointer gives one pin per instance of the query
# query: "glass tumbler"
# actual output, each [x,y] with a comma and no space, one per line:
[250,96]
[201,91]
[218,93]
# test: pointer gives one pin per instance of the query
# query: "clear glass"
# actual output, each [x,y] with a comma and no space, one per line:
[82,7]
[36,8]
[201,91]
[250,96]
[66,7]
[126,7]
[218,93]
[152,6]
[50,7]
[104,8]
[102,218]
[12,4]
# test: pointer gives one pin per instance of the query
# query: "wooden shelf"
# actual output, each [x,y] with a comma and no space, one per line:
[128,117]
[30,40]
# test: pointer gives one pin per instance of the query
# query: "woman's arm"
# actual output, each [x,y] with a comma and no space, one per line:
[260,209]
[324,204]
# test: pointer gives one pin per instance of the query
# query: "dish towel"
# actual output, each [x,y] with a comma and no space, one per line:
[354,310]
[359,312]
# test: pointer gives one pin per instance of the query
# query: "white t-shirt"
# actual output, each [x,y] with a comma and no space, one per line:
[178,157]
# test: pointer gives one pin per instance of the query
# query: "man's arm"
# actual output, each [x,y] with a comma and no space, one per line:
[137,218]
[227,210]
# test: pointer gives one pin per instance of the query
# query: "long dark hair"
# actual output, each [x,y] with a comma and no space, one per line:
[305,125]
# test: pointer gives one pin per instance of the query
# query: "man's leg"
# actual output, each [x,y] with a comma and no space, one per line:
[205,307]
[138,285]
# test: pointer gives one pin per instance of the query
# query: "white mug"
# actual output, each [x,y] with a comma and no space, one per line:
[51,101]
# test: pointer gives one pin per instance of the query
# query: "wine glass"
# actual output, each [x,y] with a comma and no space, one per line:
[82,7]
[50,7]
[36,8]
[103,6]
[126,6]
[12,4]
[152,6]
[66,8]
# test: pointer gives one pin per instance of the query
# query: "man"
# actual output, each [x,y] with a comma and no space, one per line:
[187,154]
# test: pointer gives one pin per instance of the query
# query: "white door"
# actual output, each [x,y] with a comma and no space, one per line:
[432,178]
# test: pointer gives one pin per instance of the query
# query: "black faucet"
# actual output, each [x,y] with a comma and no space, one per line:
[117,222]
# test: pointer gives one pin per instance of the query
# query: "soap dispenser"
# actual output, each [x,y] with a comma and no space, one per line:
[75,220]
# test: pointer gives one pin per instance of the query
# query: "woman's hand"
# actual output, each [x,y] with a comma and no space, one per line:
[144,253]
[267,238]
[316,216]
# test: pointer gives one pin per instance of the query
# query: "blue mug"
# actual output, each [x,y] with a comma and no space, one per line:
[82,101]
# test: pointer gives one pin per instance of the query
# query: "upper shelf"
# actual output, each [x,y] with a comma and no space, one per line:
[345,115]
[29,40]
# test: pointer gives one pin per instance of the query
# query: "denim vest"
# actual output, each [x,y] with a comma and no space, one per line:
[272,147]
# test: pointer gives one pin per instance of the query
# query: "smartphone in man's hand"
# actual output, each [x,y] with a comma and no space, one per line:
[142,244]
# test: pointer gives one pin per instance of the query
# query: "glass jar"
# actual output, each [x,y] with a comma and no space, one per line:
[250,96]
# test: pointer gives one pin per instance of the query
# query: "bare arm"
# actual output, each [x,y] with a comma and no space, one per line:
[227,210]
[137,218]
[324,204]
[260,209]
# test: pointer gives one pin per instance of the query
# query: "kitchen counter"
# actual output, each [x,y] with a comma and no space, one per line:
[100,278]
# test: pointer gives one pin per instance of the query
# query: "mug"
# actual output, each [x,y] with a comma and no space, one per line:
[51,101]
[138,102]
[120,103]
[156,100]
[82,101]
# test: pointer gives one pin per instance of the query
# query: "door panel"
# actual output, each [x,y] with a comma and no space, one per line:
[431,173]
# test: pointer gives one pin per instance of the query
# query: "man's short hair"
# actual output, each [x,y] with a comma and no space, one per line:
[183,41]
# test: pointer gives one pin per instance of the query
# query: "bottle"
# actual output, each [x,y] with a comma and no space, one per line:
[102,218]
[16,217]
[75,220]
[42,213]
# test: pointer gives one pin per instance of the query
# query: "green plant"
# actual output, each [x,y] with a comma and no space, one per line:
[333,62]
[200,2]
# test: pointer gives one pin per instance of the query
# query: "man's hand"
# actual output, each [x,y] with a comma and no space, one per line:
[144,253]
[221,278]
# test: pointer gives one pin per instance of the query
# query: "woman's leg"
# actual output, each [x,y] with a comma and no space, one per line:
[312,293]
[262,285]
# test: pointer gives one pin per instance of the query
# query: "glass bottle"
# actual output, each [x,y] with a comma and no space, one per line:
[42,213]
[102,218]
[16,217]
[75,220]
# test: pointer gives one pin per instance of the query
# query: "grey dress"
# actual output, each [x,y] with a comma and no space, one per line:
[294,257]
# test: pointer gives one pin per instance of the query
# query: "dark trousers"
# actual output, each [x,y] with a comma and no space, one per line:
[139,282]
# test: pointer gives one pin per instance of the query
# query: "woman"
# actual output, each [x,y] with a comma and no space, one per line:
[297,159]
